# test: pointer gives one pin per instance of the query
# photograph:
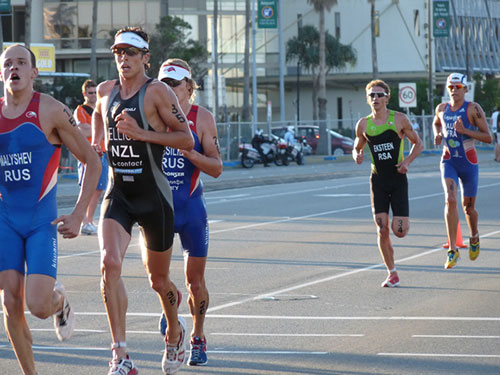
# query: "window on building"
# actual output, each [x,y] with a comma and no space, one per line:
[416,22]
[337,25]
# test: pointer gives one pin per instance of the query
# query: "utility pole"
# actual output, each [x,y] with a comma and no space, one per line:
[254,72]
[282,63]
[429,55]
[216,59]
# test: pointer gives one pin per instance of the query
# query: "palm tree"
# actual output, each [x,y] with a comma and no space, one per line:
[304,49]
[27,25]
[374,42]
[320,6]
[93,43]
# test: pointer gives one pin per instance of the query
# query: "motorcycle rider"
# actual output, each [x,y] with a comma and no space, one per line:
[290,135]
[257,141]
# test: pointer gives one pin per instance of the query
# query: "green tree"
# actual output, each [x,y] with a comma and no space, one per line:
[304,48]
[320,6]
[171,39]
[487,92]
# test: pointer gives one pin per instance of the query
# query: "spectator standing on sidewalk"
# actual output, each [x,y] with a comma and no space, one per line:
[83,117]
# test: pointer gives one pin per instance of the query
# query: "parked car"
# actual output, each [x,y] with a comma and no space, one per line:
[340,144]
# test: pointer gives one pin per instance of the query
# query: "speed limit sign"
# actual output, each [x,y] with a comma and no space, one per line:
[408,94]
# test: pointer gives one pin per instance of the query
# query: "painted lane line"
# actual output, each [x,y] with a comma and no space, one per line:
[265,352]
[455,337]
[367,318]
[319,281]
[440,355]
[289,334]
[106,331]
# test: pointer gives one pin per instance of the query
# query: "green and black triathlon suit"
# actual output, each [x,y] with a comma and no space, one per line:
[388,186]
[138,192]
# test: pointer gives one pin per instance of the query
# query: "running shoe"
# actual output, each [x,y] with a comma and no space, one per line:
[198,355]
[473,249]
[162,324]
[451,259]
[89,229]
[122,366]
[64,320]
[175,354]
[392,281]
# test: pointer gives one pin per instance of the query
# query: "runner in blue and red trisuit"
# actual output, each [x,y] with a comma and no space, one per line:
[33,127]
[182,169]
[459,123]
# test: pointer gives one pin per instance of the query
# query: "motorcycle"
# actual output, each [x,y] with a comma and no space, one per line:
[294,153]
[250,156]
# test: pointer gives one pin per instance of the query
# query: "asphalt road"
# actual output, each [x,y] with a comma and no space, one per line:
[294,275]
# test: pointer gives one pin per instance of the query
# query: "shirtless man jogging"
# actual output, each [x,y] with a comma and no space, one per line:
[384,131]
[33,127]
[138,116]
[459,123]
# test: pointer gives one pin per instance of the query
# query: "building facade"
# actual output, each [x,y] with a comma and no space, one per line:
[401,44]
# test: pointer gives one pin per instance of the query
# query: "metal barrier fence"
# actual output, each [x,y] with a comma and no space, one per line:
[231,133]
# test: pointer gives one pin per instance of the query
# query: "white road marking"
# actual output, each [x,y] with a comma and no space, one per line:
[456,337]
[289,334]
[266,352]
[341,195]
[455,355]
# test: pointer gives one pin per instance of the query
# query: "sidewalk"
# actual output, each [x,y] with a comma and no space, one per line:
[315,168]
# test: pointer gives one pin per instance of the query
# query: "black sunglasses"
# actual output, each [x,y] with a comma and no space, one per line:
[173,82]
[377,94]
[129,51]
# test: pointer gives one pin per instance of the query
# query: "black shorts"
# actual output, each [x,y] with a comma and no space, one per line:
[389,191]
[150,210]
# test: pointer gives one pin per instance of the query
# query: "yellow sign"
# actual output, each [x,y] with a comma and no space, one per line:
[45,54]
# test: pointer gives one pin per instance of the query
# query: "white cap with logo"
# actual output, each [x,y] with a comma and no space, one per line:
[173,71]
[456,78]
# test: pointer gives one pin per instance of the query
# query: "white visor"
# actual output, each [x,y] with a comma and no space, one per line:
[173,71]
[132,39]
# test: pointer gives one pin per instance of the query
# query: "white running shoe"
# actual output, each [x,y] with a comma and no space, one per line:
[89,229]
[123,366]
[64,320]
[174,355]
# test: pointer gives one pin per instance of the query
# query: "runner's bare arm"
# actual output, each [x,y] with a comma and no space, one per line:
[103,92]
[417,145]
[164,114]
[477,118]
[210,161]
[359,142]
[437,126]
[63,126]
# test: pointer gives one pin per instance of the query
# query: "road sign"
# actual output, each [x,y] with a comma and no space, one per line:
[408,94]
[267,18]
[441,18]
[4,5]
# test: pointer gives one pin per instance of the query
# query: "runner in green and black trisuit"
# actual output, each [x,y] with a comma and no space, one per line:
[384,131]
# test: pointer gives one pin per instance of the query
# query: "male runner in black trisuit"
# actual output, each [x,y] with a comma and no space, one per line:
[136,112]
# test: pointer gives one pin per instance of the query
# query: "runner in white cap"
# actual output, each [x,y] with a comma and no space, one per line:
[459,123]
[182,169]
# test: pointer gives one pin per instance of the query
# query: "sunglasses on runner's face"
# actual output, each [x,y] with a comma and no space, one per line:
[377,94]
[129,51]
[173,82]
[459,86]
